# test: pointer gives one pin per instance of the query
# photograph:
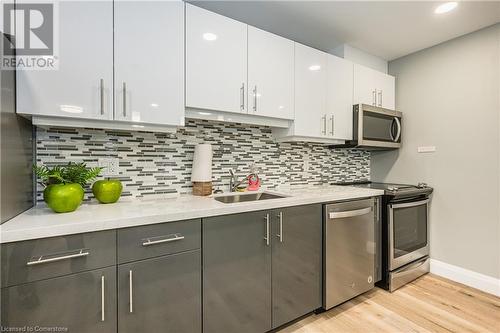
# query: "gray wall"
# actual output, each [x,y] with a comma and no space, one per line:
[449,96]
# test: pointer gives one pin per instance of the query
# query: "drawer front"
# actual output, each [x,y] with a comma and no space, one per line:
[158,239]
[44,258]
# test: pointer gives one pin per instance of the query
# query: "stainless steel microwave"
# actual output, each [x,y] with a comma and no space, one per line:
[375,128]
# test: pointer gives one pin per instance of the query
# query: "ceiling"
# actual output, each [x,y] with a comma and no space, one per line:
[387,29]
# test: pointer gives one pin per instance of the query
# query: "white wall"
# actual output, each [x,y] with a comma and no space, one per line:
[450,98]
[361,57]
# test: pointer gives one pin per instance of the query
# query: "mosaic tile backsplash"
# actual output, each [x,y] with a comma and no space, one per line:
[160,163]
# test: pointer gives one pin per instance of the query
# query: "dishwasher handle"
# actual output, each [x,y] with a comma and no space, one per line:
[350,213]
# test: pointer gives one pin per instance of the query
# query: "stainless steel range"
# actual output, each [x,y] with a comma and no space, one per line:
[405,232]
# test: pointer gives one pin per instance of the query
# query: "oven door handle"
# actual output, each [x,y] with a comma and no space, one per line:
[409,204]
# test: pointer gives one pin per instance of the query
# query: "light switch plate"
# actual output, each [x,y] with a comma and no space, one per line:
[427,149]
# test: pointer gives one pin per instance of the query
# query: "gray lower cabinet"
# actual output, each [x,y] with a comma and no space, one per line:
[236,273]
[297,262]
[83,302]
[261,269]
[161,294]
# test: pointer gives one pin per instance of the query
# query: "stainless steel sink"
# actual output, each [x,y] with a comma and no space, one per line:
[243,197]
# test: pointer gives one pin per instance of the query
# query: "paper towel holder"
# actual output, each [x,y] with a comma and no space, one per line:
[201,175]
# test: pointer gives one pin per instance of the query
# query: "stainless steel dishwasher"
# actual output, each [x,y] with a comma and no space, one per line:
[349,255]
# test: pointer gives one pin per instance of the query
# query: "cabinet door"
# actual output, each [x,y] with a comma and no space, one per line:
[216,61]
[386,95]
[236,273]
[310,92]
[297,262]
[365,85]
[82,87]
[149,61]
[162,294]
[83,302]
[339,102]
[270,74]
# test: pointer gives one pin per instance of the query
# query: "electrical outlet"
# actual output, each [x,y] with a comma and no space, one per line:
[110,166]
[113,167]
[306,165]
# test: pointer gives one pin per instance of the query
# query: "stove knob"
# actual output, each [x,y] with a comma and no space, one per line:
[422,185]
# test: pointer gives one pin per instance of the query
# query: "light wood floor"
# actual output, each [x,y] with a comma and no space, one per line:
[429,304]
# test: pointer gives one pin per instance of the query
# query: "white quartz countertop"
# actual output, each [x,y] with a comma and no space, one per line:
[41,222]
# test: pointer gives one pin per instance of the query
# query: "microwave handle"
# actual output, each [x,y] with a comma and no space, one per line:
[398,134]
[395,138]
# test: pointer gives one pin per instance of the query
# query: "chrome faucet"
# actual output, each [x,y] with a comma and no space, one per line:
[234,182]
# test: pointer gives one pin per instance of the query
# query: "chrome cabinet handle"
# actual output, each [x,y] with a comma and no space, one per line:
[280,234]
[101,89]
[242,97]
[102,298]
[130,291]
[124,90]
[324,124]
[374,97]
[380,93]
[255,99]
[267,230]
[350,213]
[332,123]
[43,259]
[162,239]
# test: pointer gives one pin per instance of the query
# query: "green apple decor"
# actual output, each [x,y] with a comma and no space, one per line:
[64,185]
[107,190]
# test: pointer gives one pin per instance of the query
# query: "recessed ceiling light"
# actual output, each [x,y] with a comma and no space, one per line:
[209,36]
[314,68]
[446,7]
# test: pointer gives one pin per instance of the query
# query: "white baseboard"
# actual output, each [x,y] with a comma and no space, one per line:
[472,279]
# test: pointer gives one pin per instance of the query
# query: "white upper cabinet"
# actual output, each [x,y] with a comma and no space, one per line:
[387,91]
[323,98]
[149,61]
[270,74]
[339,98]
[310,92]
[216,61]
[373,87]
[82,87]
[365,90]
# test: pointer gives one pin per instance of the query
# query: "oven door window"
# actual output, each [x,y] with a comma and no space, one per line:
[410,229]
[379,127]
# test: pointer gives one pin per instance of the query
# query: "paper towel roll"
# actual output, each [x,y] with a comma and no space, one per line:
[202,163]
